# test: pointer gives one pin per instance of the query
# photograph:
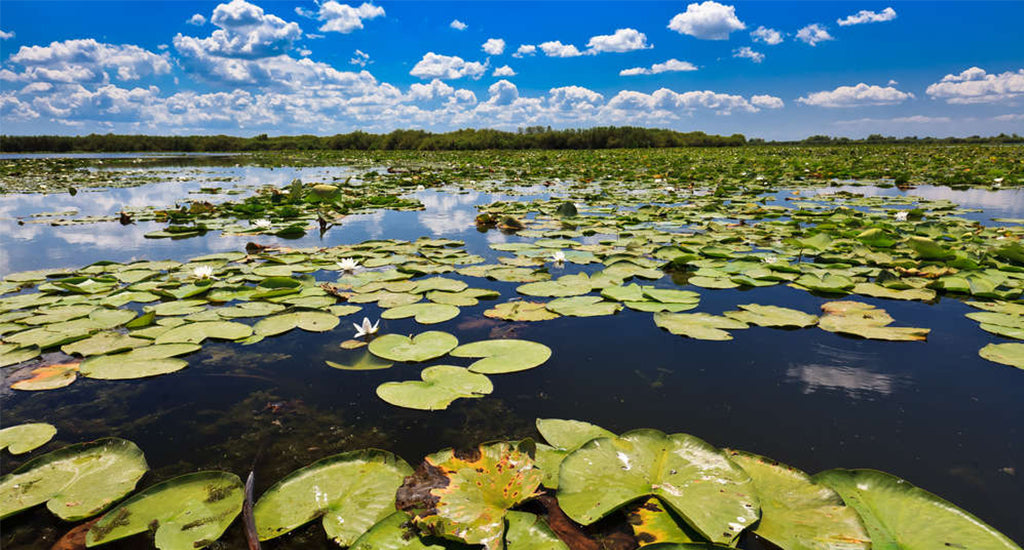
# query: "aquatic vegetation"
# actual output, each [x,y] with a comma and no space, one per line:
[23,438]
[439,387]
[366,328]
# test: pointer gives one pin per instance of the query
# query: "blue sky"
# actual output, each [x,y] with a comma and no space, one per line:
[778,70]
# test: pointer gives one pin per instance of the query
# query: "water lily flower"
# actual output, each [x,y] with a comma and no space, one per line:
[558,257]
[901,216]
[203,272]
[348,264]
[769,259]
[366,329]
[262,224]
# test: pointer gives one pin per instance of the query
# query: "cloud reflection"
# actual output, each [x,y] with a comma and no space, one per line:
[844,370]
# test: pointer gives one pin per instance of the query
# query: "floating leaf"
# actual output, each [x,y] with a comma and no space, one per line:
[569,285]
[652,523]
[698,481]
[426,314]
[365,361]
[671,296]
[879,291]
[521,311]
[189,511]
[584,306]
[104,342]
[828,283]
[564,437]
[440,386]
[422,347]
[49,377]
[1007,354]
[866,321]
[23,438]
[351,491]
[527,531]
[503,356]
[394,533]
[772,316]
[311,321]
[75,482]
[195,333]
[465,495]
[700,326]
[899,515]
[798,513]
[711,282]
[12,354]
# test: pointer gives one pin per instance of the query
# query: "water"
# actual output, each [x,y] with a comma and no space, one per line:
[934,413]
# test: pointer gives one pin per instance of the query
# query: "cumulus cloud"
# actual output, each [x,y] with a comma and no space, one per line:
[672,65]
[1010,117]
[457,25]
[813,34]
[768,36]
[494,46]
[245,31]
[865,16]
[360,58]
[767,102]
[856,96]
[6,35]
[555,48]
[342,18]
[447,67]
[575,99]
[623,40]
[746,52]
[707,21]
[665,102]
[197,19]
[903,120]
[504,70]
[525,50]
[85,61]
[502,92]
[974,85]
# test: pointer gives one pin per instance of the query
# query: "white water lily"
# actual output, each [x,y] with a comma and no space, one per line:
[203,272]
[366,328]
[558,257]
[769,259]
[901,216]
[262,224]
[348,264]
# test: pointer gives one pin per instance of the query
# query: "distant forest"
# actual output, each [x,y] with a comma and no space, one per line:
[533,137]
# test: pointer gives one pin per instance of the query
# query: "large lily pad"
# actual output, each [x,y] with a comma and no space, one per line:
[465,495]
[700,326]
[564,437]
[655,524]
[395,533]
[521,311]
[440,386]
[189,511]
[75,482]
[350,491]
[798,513]
[527,531]
[502,356]
[23,438]
[195,333]
[866,321]
[421,347]
[49,377]
[12,354]
[584,306]
[425,314]
[1007,354]
[310,321]
[711,493]
[568,285]
[899,515]
[104,342]
[772,316]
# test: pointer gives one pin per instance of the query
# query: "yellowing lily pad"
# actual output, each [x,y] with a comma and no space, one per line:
[49,377]
[1006,354]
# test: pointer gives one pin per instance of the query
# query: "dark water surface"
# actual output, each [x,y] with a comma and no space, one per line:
[933,413]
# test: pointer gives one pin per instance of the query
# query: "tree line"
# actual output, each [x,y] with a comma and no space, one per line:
[533,137]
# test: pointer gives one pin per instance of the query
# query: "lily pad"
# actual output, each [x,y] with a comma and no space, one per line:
[12,354]
[564,437]
[711,493]
[584,306]
[700,326]
[772,316]
[528,531]
[521,311]
[654,523]
[503,356]
[76,482]
[395,533]
[195,333]
[49,377]
[866,321]
[422,347]
[23,438]
[426,313]
[569,285]
[899,515]
[798,513]
[350,491]
[466,495]
[310,321]
[440,386]
[104,342]
[189,511]
[365,361]
[1006,354]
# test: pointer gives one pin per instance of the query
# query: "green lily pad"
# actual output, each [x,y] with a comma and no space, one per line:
[23,438]
[350,491]
[584,306]
[879,291]
[655,524]
[568,285]
[827,283]
[393,533]
[421,347]
[426,313]
[714,495]
[104,342]
[1006,354]
[564,437]
[866,321]
[466,495]
[440,386]
[521,311]
[311,321]
[249,309]
[798,513]
[772,316]
[700,326]
[623,293]
[76,482]
[712,282]
[671,296]
[12,354]
[899,515]
[177,307]
[189,511]
[651,306]
[195,333]
[528,531]
[365,361]
[503,356]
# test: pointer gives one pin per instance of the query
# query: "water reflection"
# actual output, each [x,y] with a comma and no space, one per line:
[448,213]
[997,203]
[845,371]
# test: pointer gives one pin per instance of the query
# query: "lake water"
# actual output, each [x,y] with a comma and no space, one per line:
[933,413]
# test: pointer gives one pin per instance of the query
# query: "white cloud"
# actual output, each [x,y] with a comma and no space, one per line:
[672,65]
[667,103]
[746,52]
[893,82]
[197,19]
[360,58]
[707,21]
[6,35]
[431,91]
[865,16]
[245,32]
[974,85]
[813,33]
[13,109]
[524,50]
[575,99]
[457,25]
[856,96]
[556,49]
[342,18]
[768,36]
[915,119]
[503,92]
[767,102]
[624,40]
[447,67]
[494,46]
[504,70]
[85,61]
[1010,117]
